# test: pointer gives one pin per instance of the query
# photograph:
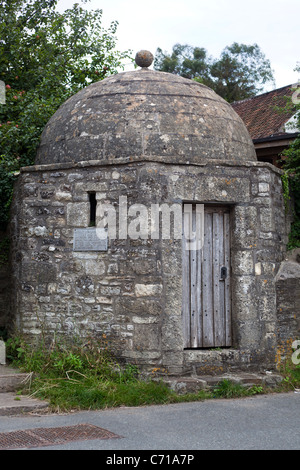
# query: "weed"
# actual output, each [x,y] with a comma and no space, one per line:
[291,374]
[228,389]
[255,389]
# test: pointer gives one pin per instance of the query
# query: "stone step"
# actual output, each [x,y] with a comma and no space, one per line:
[12,404]
[11,381]
[194,384]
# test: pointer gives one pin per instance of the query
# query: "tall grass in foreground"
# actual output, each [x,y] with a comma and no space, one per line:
[86,375]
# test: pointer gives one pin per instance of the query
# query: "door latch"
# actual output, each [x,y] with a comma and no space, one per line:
[223,273]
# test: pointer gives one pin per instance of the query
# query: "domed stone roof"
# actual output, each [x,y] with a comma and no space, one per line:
[145,114]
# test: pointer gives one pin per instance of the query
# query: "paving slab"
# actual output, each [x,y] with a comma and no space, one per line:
[12,404]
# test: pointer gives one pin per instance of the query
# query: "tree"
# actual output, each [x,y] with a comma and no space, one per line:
[45,57]
[187,61]
[240,72]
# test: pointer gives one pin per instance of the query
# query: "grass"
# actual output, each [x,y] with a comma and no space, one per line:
[87,376]
[229,389]
[84,376]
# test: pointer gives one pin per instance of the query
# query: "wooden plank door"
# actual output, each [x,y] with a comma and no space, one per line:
[206,305]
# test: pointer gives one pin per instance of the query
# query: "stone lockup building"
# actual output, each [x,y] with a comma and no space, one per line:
[148,219]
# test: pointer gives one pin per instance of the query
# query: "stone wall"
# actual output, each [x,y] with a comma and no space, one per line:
[288,308]
[132,293]
[4,282]
[4,295]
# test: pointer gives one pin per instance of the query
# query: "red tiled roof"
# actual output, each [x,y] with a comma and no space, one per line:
[260,116]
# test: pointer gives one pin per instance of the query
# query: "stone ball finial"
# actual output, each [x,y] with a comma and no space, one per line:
[144,59]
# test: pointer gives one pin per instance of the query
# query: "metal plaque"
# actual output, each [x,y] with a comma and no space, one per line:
[90,239]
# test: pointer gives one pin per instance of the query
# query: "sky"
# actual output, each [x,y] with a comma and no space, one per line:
[212,24]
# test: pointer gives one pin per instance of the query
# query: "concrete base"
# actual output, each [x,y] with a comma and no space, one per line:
[195,384]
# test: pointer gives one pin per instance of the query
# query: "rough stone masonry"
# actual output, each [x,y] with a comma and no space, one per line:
[133,291]
[151,138]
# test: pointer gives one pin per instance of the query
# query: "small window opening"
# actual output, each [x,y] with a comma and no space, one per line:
[93,205]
